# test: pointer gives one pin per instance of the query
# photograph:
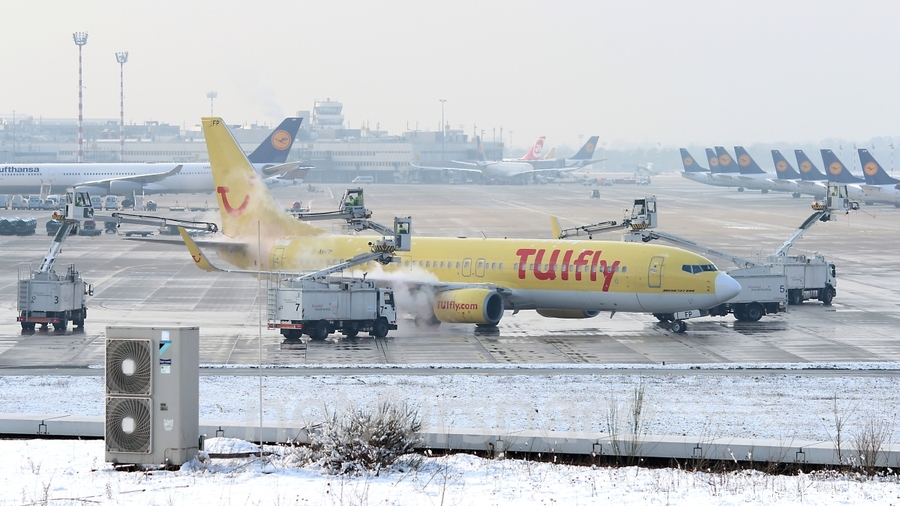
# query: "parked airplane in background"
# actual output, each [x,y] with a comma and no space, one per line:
[581,159]
[693,170]
[789,179]
[473,280]
[878,183]
[837,172]
[130,178]
[726,170]
[535,152]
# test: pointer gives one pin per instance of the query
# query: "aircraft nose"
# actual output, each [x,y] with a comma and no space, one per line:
[726,287]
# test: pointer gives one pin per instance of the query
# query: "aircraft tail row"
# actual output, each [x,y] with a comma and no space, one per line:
[246,207]
[689,163]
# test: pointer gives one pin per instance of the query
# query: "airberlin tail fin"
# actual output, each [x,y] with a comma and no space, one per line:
[535,152]
[246,207]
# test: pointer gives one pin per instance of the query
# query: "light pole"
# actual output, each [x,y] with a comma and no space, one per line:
[212,95]
[122,57]
[510,142]
[443,132]
[80,39]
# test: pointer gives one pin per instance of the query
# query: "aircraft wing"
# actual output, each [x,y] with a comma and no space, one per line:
[279,170]
[467,164]
[137,178]
[425,167]
[217,244]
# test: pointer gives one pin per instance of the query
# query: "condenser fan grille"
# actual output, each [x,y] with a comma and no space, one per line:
[128,425]
[129,365]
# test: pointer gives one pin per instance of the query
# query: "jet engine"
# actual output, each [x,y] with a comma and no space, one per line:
[469,305]
[566,313]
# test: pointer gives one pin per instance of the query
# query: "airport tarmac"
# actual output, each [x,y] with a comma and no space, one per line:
[141,283]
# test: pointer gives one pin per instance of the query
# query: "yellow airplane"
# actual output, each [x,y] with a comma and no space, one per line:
[473,280]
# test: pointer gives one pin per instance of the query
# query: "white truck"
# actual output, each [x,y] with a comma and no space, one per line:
[762,292]
[45,297]
[319,307]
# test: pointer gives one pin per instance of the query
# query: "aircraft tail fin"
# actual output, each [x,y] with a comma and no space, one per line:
[726,161]
[550,154]
[481,157]
[245,205]
[277,146]
[808,170]
[747,163]
[836,170]
[713,160]
[689,163]
[872,170]
[587,151]
[535,152]
[783,168]
[555,227]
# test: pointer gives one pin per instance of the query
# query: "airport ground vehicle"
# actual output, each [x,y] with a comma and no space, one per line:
[18,202]
[112,203]
[151,206]
[46,297]
[318,307]
[35,202]
[89,228]
[97,203]
[768,285]
[4,201]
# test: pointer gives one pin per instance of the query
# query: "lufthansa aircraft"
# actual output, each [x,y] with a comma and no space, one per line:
[473,280]
[127,178]
[878,182]
[694,172]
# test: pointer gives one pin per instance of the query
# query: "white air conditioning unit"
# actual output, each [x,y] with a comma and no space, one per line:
[152,395]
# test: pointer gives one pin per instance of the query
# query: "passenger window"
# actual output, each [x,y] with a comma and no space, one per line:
[442,265]
[457,265]
[493,266]
[501,266]
[428,263]
[624,269]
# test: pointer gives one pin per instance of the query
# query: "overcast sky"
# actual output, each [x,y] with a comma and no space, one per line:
[695,71]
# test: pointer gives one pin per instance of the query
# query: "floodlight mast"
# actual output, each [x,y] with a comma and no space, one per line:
[80,39]
[122,57]
[212,95]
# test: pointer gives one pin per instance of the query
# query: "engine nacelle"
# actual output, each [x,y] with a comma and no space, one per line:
[124,188]
[469,305]
[566,313]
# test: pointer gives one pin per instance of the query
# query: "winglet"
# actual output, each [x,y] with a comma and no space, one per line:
[199,258]
[554,225]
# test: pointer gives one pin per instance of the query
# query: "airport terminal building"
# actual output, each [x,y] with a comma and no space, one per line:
[339,154]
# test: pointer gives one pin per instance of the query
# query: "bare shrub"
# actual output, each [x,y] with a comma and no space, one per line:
[869,441]
[365,439]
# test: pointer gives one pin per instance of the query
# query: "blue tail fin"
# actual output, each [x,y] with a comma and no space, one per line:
[872,170]
[747,163]
[783,168]
[836,170]
[726,161]
[276,147]
[713,160]
[587,151]
[808,170]
[481,157]
[690,164]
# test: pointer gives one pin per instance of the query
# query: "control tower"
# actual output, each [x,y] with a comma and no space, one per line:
[327,114]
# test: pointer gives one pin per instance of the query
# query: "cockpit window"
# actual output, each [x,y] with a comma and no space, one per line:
[696,269]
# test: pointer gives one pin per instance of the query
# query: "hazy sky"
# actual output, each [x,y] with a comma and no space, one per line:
[696,71]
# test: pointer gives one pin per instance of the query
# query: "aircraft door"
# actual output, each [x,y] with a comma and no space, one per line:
[654,274]
[277,259]
[479,268]
[467,267]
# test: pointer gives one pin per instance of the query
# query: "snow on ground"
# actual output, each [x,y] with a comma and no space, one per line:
[73,472]
[781,406]
[766,405]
